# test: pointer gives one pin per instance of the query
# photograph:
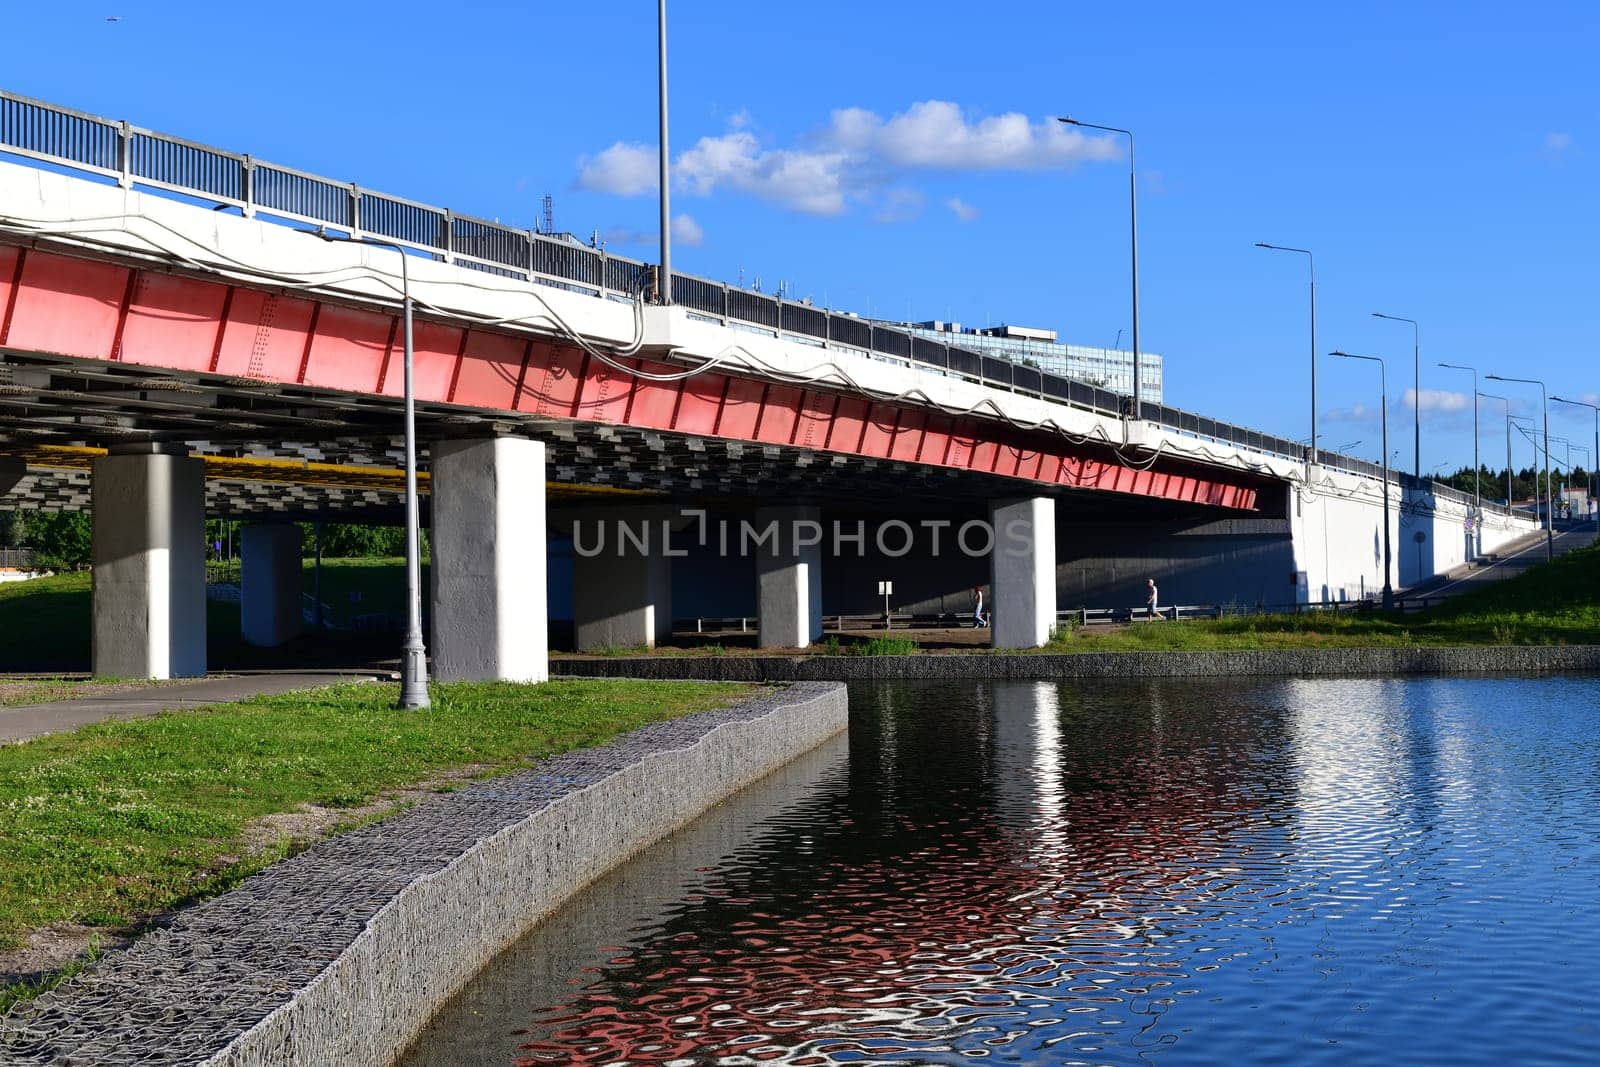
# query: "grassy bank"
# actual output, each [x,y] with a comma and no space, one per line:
[1555,603]
[113,823]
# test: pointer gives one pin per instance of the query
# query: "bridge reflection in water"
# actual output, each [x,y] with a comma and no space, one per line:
[1196,872]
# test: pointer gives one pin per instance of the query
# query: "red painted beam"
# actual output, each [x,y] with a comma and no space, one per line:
[58,305]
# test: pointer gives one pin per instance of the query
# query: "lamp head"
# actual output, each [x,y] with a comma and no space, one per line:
[1069,120]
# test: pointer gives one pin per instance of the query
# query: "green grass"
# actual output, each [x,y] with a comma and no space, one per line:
[1556,603]
[121,820]
[45,622]
[27,988]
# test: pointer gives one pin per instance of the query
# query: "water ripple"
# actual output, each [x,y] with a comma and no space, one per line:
[1341,870]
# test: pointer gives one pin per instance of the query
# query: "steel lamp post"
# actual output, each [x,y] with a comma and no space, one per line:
[1133,232]
[1477,477]
[1311,263]
[414,655]
[1549,499]
[1507,403]
[1596,409]
[1383,393]
[1416,408]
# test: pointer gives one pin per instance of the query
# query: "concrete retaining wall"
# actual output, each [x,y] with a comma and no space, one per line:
[342,954]
[1500,659]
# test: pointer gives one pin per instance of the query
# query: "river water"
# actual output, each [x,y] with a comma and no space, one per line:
[1183,872]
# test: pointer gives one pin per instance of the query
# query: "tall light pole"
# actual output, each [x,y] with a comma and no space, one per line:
[1567,464]
[1416,407]
[1383,394]
[664,288]
[1596,409]
[1133,233]
[1549,500]
[1477,477]
[1530,432]
[1311,262]
[1507,403]
[414,655]
[1587,467]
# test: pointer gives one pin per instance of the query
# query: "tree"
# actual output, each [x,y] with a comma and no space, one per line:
[61,541]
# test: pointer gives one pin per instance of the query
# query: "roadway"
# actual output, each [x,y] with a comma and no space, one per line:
[1524,553]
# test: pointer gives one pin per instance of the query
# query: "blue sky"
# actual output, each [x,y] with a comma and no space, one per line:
[900,160]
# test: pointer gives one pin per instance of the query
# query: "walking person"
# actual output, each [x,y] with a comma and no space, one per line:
[979,619]
[1151,601]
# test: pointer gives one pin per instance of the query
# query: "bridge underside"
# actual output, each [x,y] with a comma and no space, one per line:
[151,398]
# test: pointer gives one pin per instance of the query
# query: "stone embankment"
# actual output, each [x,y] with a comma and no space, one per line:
[1487,659]
[342,954]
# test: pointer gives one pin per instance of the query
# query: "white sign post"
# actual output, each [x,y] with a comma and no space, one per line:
[884,589]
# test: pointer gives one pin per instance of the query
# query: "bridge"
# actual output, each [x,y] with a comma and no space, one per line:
[178,340]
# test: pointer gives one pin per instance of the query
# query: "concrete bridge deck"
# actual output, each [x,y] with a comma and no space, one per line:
[203,351]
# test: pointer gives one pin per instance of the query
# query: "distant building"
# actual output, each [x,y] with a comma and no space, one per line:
[1108,368]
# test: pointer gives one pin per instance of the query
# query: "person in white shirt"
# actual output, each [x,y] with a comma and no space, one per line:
[1151,601]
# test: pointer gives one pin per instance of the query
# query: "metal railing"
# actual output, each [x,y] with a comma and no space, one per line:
[134,156]
[16,559]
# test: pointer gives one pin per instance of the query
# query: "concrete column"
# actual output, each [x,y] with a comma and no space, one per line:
[271,586]
[12,471]
[490,617]
[621,578]
[789,577]
[149,564]
[1022,570]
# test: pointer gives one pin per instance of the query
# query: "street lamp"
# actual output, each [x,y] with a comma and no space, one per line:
[1348,445]
[1133,232]
[1507,403]
[1596,409]
[1567,464]
[1477,479]
[414,656]
[1588,470]
[1383,395]
[1311,262]
[1416,407]
[1544,408]
[664,288]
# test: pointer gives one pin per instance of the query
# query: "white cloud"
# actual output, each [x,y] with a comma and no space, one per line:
[1437,401]
[1358,413]
[936,134]
[812,182]
[622,170]
[1557,141]
[686,231]
[963,210]
[898,204]
[847,161]
[627,235]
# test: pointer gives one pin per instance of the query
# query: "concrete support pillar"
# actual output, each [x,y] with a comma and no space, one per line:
[789,577]
[1022,572]
[149,564]
[490,617]
[12,471]
[622,578]
[271,586]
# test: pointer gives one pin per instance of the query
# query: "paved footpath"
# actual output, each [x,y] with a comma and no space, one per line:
[1514,560]
[32,720]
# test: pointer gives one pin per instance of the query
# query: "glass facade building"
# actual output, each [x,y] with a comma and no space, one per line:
[1107,368]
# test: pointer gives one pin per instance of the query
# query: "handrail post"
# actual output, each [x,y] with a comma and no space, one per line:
[355,210]
[247,178]
[449,223]
[125,154]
